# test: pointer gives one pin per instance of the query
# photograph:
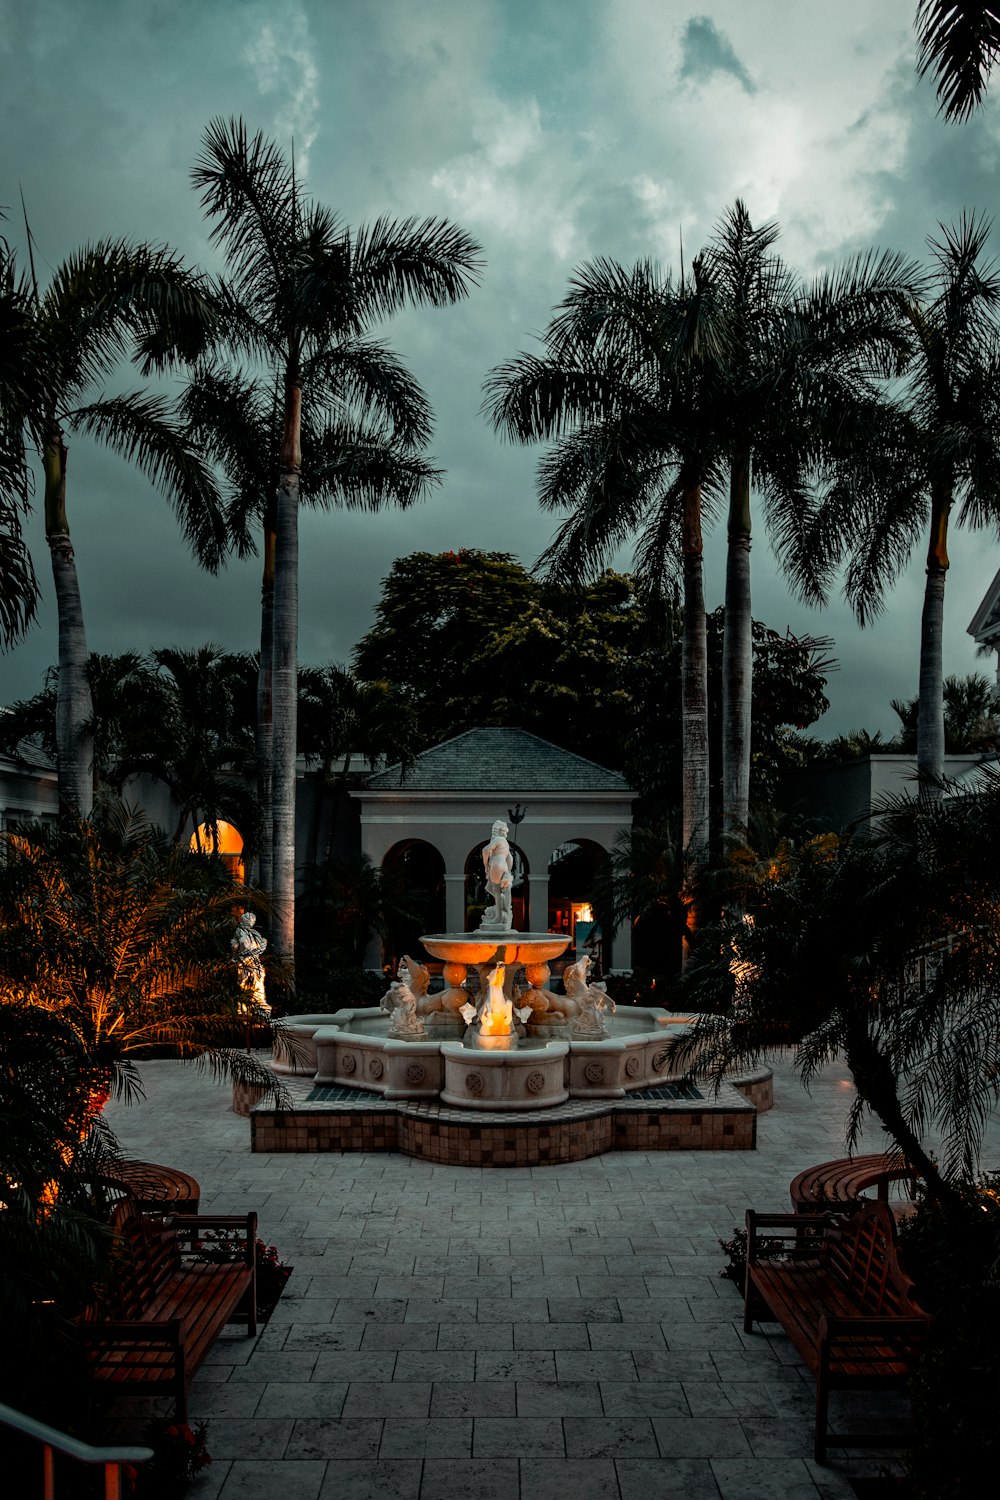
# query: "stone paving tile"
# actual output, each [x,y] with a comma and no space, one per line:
[443,1364]
[368,1310]
[216,1400]
[530,1364]
[257,1437]
[297,1366]
[438,1437]
[610,1437]
[778,1479]
[474,1335]
[291,1479]
[286,1399]
[562,1310]
[649,1479]
[558,1398]
[363,1364]
[397,1335]
[527,1437]
[625,1335]
[356,1479]
[335,1438]
[555,1479]
[472,1398]
[700,1437]
[600,1364]
[301,1336]
[439,1310]
[374,1399]
[460,1479]
[650,1398]
[553,1335]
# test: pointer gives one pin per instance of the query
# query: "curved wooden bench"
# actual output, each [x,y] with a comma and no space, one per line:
[839,1185]
[836,1286]
[156,1188]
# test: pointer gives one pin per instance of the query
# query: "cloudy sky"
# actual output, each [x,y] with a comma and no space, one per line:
[552,130]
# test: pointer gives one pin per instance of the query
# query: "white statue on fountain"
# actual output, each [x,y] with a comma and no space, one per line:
[498,863]
[592,1001]
[402,999]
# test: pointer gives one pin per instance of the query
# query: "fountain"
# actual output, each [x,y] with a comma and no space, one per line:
[496,1041]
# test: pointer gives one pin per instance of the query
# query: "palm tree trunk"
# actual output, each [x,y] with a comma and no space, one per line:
[265,714]
[930,707]
[694,724]
[285,685]
[74,706]
[737,657]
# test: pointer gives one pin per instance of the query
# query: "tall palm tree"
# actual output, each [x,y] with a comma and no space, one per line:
[939,446]
[348,462]
[109,301]
[620,386]
[301,295]
[958,42]
[797,376]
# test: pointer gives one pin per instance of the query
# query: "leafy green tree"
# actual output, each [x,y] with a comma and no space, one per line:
[110,301]
[470,638]
[301,296]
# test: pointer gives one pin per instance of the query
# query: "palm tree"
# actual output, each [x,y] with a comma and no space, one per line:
[958,42]
[971,717]
[940,446]
[662,397]
[620,386]
[110,300]
[301,296]
[881,948]
[347,462]
[126,939]
[18,586]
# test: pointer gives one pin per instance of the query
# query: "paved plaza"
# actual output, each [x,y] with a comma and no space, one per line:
[463,1333]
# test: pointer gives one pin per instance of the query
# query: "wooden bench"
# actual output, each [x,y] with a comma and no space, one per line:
[834,1185]
[838,1290]
[156,1188]
[181,1280]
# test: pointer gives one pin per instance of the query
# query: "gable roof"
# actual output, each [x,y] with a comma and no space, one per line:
[499,760]
[985,623]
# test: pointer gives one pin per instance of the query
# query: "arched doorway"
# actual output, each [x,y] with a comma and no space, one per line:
[225,840]
[573,870]
[417,869]
[477,898]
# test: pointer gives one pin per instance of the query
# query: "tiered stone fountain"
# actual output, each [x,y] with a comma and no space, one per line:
[495,1038]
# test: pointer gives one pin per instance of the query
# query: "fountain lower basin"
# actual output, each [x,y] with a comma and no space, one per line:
[350,1049]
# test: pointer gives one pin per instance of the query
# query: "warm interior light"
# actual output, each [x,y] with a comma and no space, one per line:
[223,839]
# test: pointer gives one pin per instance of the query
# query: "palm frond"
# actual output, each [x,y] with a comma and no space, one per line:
[958,43]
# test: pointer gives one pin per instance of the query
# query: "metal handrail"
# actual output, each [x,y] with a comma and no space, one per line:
[60,1442]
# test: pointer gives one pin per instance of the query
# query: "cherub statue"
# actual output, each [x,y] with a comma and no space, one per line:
[592,1001]
[403,999]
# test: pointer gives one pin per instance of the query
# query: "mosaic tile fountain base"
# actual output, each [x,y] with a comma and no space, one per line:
[670,1117]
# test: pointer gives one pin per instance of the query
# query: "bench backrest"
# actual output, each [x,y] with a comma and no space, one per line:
[148,1256]
[864,1258]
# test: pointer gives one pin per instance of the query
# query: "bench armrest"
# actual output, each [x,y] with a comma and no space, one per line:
[791,1236]
[189,1229]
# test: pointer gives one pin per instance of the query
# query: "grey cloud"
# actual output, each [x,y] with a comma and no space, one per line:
[707,51]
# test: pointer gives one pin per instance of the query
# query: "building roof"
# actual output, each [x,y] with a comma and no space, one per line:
[985,623]
[499,760]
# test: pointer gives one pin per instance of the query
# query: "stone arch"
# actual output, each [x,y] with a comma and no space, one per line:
[475,887]
[223,839]
[420,868]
